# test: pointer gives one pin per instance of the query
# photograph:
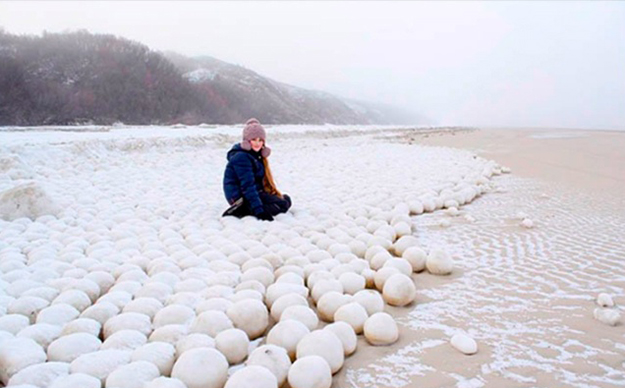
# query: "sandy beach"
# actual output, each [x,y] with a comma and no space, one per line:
[144,204]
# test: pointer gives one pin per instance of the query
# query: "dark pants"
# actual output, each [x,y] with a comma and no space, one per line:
[273,205]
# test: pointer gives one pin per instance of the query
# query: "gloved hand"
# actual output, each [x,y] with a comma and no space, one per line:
[264,216]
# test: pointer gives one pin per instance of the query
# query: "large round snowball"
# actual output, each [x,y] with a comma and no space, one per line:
[125,340]
[310,372]
[416,257]
[101,363]
[274,358]
[323,343]
[249,315]
[57,314]
[352,282]
[404,243]
[402,265]
[174,314]
[439,262]
[381,329]
[304,314]
[82,325]
[399,290]
[324,286]
[382,274]
[70,347]
[40,375]
[253,376]
[128,321]
[346,334]
[169,333]
[287,334]
[18,353]
[161,354]
[329,303]
[233,344]
[192,341]
[133,375]
[371,300]
[353,314]
[201,368]
[286,301]
[81,380]
[211,322]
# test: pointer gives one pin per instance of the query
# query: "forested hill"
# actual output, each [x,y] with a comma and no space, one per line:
[78,77]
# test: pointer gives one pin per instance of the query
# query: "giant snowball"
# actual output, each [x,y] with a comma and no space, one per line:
[399,290]
[253,376]
[381,329]
[416,257]
[249,315]
[133,375]
[323,343]
[161,354]
[353,314]
[18,353]
[26,200]
[101,363]
[439,262]
[274,358]
[233,344]
[371,300]
[310,372]
[70,347]
[287,334]
[201,368]
[346,334]
[40,375]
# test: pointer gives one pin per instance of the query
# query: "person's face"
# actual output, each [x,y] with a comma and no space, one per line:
[257,144]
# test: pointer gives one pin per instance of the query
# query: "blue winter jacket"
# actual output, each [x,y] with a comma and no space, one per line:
[244,177]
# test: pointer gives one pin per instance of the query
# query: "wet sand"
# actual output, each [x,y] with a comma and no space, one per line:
[526,296]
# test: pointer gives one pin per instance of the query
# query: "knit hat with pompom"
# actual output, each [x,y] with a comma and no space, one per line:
[254,130]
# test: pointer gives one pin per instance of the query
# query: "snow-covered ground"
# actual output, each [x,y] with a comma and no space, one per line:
[125,253]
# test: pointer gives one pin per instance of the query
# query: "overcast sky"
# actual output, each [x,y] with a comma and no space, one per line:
[549,64]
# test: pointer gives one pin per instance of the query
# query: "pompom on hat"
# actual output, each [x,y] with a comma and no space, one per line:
[254,130]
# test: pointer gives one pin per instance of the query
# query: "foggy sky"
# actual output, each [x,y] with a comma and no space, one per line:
[545,64]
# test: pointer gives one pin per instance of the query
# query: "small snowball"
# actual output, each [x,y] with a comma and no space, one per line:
[82,325]
[381,329]
[70,347]
[201,368]
[274,358]
[17,354]
[57,314]
[416,257]
[133,375]
[352,282]
[128,321]
[527,223]
[371,300]
[287,335]
[324,344]
[329,303]
[252,376]
[346,334]
[232,343]
[353,314]
[439,262]
[174,314]
[101,363]
[192,341]
[14,323]
[609,317]
[464,344]
[286,301]
[399,290]
[42,333]
[101,312]
[125,340]
[605,300]
[40,375]
[303,314]
[249,315]
[76,380]
[161,354]
[310,372]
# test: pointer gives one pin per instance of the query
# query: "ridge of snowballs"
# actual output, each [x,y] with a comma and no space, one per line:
[168,305]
